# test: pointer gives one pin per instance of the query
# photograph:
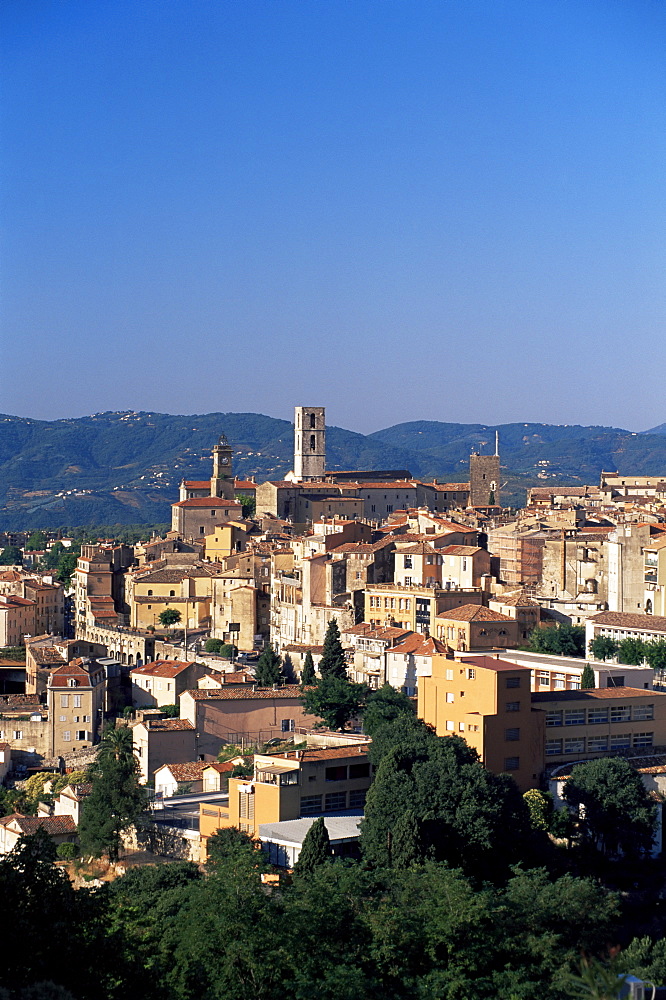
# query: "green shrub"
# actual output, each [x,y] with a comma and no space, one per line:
[66,851]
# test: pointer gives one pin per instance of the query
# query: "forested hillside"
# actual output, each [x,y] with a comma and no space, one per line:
[125,467]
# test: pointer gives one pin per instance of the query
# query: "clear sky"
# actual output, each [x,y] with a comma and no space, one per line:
[399,210]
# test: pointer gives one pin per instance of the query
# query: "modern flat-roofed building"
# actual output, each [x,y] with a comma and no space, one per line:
[596,722]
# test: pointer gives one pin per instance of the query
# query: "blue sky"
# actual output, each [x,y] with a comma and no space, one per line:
[399,210]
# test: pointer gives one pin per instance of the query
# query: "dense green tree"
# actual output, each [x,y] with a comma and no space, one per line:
[248,504]
[645,957]
[11,556]
[587,678]
[615,812]
[540,806]
[333,662]
[169,617]
[558,640]
[385,705]
[267,671]
[468,817]
[228,650]
[288,670]
[170,711]
[602,647]
[116,801]
[308,672]
[213,645]
[406,847]
[37,542]
[655,654]
[316,849]
[334,700]
[631,651]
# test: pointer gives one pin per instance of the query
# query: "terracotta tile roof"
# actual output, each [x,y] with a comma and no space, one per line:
[315,754]
[244,484]
[166,725]
[207,502]
[449,487]
[418,645]
[20,701]
[75,670]
[242,694]
[197,484]
[298,647]
[54,825]
[473,613]
[367,631]
[163,668]
[461,550]
[221,768]
[189,771]
[626,619]
[515,601]
[9,601]
[594,694]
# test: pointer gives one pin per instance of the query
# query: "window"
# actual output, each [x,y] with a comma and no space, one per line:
[622,742]
[511,763]
[80,734]
[513,706]
[338,773]
[63,718]
[553,718]
[334,801]
[553,747]
[310,805]
[202,530]
[150,593]
[389,508]
[575,744]
[461,727]
[543,678]
[357,799]
[620,713]
[64,701]
[408,562]
[471,673]
[359,771]
[597,744]
[643,739]
[287,725]
[513,682]
[597,716]
[67,736]
[449,697]
[512,734]
[77,701]
[449,675]
[408,581]
[617,681]
[574,717]
[560,682]
[643,713]
[450,726]
[18,734]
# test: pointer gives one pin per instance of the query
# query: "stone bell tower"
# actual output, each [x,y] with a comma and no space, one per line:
[309,443]
[484,478]
[222,481]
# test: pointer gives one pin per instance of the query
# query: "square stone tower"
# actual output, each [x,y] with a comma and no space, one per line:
[484,480]
[309,443]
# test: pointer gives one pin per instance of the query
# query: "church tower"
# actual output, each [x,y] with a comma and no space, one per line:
[309,443]
[222,482]
[484,478]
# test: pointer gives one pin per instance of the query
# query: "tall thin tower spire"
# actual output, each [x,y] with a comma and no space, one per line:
[497,442]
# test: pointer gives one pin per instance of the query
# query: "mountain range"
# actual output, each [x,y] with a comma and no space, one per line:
[125,467]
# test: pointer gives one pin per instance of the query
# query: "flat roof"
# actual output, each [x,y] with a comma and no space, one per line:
[340,827]
[594,694]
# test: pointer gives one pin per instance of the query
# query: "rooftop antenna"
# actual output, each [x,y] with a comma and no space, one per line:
[497,442]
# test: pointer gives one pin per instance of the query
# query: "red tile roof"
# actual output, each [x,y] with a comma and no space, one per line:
[163,668]
[242,693]
[473,612]
[418,645]
[160,725]
[627,619]
[189,771]
[207,502]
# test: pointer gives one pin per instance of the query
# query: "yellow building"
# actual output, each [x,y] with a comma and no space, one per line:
[595,722]
[289,785]
[487,702]
[474,627]
[226,539]
[412,607]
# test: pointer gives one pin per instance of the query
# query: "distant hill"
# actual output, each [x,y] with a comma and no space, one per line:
[125,467]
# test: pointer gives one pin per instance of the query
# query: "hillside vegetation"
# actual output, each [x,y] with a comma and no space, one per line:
[124,468]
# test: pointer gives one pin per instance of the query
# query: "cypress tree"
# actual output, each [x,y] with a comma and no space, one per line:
[587,677]
[406,841]
[308,672]
[267,672]
[316,848]
[333,662]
